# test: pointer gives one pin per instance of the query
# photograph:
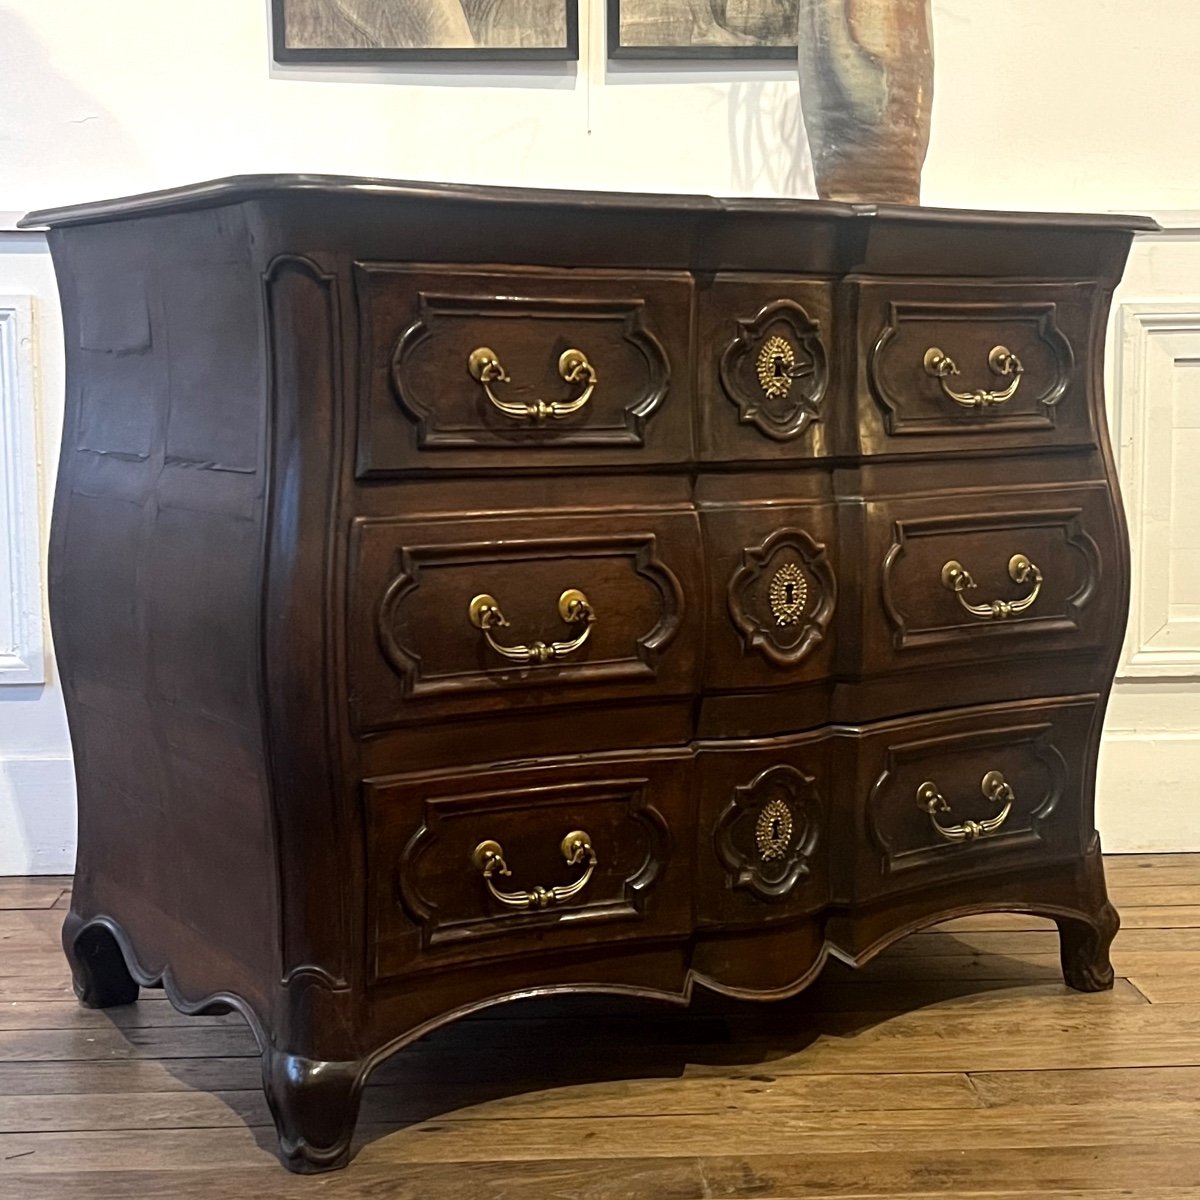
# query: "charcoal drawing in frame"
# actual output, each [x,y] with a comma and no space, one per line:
[738,29]
[365,31]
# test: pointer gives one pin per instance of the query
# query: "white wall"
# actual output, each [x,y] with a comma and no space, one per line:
[1066,104]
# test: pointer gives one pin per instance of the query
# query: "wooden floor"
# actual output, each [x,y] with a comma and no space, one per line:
[957,1064]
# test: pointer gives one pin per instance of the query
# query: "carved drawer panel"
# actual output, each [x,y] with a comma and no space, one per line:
[982,365]
[772,584]
[947,796]
[764,837]
[764,383]
[987,575]
[525,368]
[521,611]
[537,858]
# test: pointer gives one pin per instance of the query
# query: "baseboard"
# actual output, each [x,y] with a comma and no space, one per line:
[37,816]
[1148,791]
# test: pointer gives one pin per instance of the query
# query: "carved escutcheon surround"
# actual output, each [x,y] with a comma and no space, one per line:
[775,370]
[781,598]
[767,834]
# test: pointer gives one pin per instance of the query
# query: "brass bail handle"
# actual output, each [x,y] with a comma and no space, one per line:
[573,366]
[957,579]
[576,848]
[573,607]
[994,787]
[1001,361]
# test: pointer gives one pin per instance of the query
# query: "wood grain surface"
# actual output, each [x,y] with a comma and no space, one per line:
[955,1065]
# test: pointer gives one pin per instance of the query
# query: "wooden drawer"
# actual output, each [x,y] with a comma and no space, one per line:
[594,609]
[909,332]
[606,357]
[764,381]
[764,838]
[431,905]
[772,594]
[947,796]
[916,610]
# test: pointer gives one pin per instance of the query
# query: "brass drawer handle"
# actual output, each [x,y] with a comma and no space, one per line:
[573,366]
[488,857]
[957,579]
[994,787]
[573,607]
[1001,360]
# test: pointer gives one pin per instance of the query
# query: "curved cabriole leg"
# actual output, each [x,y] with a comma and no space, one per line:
[315,1106]
[98,970]
[1084,944]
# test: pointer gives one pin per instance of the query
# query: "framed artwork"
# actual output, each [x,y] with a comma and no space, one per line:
[349,31]
[702,28]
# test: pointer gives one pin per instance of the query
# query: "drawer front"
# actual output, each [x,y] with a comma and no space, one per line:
[513,862]
[772,594]
[982,366]
[764,384]
[764,841]
[512,612]
[522,368]
[944,797]
[989,575]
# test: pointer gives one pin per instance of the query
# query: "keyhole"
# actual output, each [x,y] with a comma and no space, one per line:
[779,367]
[789,592]
[776,829]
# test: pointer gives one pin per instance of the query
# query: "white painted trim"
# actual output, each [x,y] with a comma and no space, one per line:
[1146,791]
[22,649]
[1152,338]
[37,816]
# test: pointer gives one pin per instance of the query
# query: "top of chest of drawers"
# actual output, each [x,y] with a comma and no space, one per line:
[505,327]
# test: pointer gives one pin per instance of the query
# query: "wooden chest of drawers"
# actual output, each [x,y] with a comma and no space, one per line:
[468,592]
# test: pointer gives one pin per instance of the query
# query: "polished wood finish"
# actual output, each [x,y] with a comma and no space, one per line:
[282,491]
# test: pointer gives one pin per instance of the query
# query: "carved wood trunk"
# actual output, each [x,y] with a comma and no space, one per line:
[461,593]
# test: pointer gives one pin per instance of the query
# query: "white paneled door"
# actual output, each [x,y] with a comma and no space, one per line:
[1149,796]
[21,650]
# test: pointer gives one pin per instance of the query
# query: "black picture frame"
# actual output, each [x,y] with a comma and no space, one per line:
[281,52]
[618,50]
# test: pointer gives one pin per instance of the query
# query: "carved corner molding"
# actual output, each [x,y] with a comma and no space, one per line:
[921,757]
[909,633]
[645,649]
[22,647]
[1156,344]
[439,330]
[934,323]
[767,834]
[624,898]
[775,370]
[782,597]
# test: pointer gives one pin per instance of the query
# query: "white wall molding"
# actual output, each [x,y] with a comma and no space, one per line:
[22,654]
[1157,426]
[37,816]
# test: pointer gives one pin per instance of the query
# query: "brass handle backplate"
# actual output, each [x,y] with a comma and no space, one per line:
[957,579]
[573,366]
[573,607]
[576,847]
[1001,360]
[994,787]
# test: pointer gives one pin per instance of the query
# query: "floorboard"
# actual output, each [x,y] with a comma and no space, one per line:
[954,1065]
